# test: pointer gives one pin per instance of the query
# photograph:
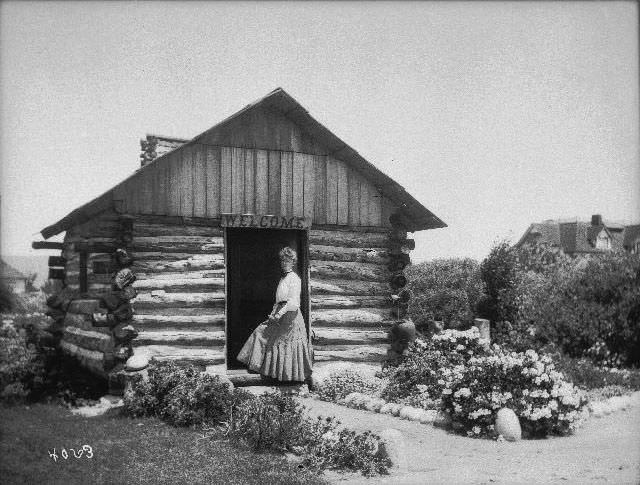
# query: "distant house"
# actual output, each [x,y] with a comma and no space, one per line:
[578,237]
[12,278]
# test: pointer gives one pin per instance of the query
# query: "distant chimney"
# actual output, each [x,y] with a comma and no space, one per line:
[155,146]
[596,220]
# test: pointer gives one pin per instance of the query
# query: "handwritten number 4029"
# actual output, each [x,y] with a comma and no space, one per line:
[86,450]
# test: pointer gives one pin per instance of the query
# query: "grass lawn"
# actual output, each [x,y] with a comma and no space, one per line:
[126,451]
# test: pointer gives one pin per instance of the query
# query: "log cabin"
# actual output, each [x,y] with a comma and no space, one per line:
[203,220]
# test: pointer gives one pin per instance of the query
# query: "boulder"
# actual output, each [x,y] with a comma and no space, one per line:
[392,446]
[508,425]
[137,362]
[374,404]
[387,408]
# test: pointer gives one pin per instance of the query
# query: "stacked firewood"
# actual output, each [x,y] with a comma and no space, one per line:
[116,312]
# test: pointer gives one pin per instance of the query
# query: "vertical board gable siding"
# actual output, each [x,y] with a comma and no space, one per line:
[205,181]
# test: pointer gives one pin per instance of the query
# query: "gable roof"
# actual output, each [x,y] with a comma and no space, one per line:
[417,216]
[574,236]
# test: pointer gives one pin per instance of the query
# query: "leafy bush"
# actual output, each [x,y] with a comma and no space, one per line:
[327,446]
[584,373]
[344,381]
[270,421]
[444,289]
[20,367]
[498,272]
[524,382]
[418,379]
[182,396]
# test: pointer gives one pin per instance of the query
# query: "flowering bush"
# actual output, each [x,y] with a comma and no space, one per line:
[420,378]
[524,382]
[344,381]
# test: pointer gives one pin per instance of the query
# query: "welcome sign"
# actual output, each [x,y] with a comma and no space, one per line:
[266,221]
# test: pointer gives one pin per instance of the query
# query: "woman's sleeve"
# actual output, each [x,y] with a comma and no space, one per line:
[293,296]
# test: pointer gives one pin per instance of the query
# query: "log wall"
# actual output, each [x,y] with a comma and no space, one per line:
[179,311]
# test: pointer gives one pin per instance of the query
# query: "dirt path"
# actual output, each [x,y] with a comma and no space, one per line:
[603,450]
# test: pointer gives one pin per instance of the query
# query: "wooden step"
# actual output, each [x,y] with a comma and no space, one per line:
[190,338]
[199,356]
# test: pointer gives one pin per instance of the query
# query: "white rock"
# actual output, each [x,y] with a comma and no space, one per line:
[395,410]
[410,413]
[374,404]
[387,408]
[508,425]
[428,416]
[392,446]
[137,362]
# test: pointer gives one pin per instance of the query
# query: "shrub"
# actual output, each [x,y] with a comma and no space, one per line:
[584,373]
[444,289]
[270,421]
[524,382]
[20,368]
[418,379]
[344,381]
[182,396]
[326,446]
[498,272]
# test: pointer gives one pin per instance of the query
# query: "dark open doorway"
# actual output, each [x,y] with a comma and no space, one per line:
[253,272]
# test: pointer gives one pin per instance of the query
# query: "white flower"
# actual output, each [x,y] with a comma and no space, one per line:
[476,429]
[447,391]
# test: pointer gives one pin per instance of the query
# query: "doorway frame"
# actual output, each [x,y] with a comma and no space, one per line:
[305,277]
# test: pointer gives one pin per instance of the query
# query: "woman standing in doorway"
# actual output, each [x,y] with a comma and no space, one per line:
[279,347]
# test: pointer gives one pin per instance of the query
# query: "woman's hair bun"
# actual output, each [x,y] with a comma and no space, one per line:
[288,254]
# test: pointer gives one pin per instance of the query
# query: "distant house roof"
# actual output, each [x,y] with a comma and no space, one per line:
[579,236]
[417,216]
[8,272]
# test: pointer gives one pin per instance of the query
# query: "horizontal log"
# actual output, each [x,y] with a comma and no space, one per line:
[193,262]
[161,299]
[336,253]
[175,220]
[89,359]
[88,339]
[331,301]
[200,356]
[144,321]
[350,239]
[348,270]
[359,353]
[183,245]
[181,311]
[85,306]
[148,256]
[346,287]
[180,284]
[352,317]
[324,336]
[215,338]
[78,240]
[149,229]
[56,273]
[47,245]
[57,261]
[184,275]
[84,322]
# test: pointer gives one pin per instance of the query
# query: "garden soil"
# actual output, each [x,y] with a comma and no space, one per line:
[603,450]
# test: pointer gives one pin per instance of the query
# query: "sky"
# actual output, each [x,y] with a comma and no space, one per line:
[492,115]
